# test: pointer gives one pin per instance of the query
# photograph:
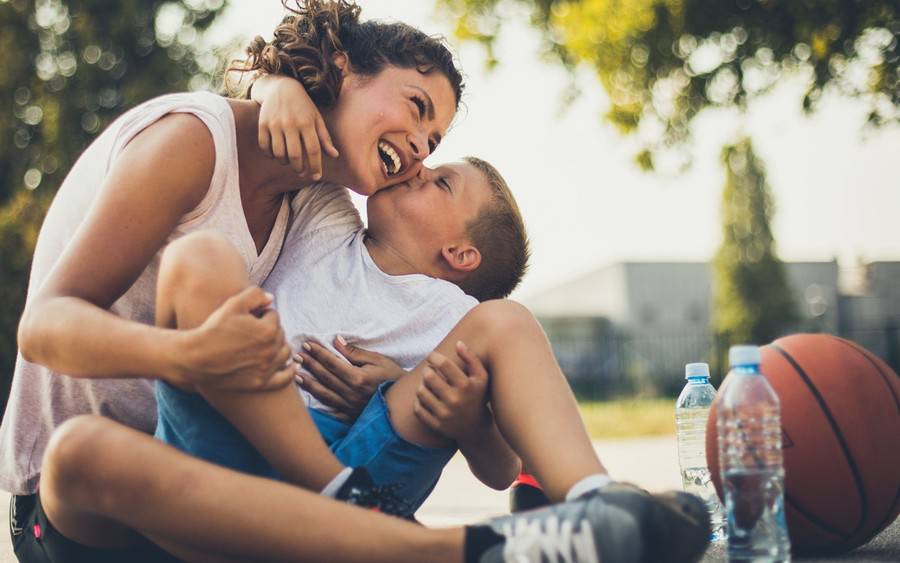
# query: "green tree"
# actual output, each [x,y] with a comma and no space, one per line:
[663,61]
[70,68]
[752,300]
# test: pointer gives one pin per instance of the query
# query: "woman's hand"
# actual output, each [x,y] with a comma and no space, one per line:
[346,387]
[240,347]
[453,402]
[291,128]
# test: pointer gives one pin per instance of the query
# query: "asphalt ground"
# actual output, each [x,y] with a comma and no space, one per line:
[648,462]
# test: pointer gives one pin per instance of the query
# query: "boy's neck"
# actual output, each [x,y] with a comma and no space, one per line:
[390,260]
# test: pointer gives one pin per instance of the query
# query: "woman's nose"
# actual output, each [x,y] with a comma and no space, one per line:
[418,143]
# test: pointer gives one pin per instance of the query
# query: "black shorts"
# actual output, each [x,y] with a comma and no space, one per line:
[35,540]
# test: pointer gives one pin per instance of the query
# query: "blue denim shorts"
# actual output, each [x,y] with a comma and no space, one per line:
[372,442]
[192,425]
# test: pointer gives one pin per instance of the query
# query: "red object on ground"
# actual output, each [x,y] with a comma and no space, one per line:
[526,479]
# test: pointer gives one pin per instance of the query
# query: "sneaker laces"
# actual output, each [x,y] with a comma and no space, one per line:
[549,540]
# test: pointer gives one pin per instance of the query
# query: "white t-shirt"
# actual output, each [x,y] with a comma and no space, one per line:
[325,284]
[42,399]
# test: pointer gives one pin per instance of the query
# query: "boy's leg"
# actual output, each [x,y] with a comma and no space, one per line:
[530,397]
[198,273]
[98,470]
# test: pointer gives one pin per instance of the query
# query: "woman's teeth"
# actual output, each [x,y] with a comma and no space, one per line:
[390,158]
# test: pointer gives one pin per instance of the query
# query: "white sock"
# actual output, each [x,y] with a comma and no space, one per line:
[589,483]
[333,486]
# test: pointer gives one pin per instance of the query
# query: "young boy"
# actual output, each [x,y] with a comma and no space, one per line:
[383,288]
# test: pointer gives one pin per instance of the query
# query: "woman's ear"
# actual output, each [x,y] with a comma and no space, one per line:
[341,60]
[463,258]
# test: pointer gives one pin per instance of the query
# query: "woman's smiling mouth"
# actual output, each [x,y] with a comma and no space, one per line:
[390,158]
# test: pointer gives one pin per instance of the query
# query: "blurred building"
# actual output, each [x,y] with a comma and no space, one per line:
[631,326]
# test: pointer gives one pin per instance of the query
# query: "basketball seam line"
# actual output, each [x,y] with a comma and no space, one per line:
[865,353]
[857,479]
[815,520]
[889,517]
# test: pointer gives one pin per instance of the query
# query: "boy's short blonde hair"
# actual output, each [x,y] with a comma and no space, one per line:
[498,232]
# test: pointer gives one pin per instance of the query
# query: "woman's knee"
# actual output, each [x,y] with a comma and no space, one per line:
[71,458]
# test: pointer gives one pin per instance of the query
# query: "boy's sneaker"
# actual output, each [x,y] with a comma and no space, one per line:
[359,489]
[618,524]
[526,494]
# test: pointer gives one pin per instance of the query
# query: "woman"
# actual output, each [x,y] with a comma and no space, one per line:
[184,162]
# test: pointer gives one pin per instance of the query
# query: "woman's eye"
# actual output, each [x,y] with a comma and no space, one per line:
[420,103]
[444,183]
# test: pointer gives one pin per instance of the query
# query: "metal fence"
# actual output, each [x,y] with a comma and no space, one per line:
[618,364]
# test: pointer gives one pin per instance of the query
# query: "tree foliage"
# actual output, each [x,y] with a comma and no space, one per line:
[663,61]
[69,69]
[752,301]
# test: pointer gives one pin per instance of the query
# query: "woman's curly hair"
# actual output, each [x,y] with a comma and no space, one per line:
[306,41]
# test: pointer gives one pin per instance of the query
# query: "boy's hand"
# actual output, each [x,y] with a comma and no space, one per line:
[346,387]
[451,401]
[291,128]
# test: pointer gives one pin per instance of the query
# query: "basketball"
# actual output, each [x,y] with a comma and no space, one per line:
[840,420]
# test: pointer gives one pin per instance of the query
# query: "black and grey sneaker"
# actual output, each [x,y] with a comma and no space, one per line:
[359,489]
[618,524]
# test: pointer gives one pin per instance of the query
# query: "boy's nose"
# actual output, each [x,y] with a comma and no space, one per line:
[425,174]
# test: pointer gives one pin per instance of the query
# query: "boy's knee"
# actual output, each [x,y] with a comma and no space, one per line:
[502,318]
[199,260]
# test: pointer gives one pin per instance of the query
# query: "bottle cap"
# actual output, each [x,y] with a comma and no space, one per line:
[744,355]
[699,369]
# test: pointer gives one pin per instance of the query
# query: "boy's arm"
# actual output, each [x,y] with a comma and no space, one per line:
[490,457]
[291,128]
[453,402]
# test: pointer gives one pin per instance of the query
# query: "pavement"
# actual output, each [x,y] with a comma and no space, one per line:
[651,463]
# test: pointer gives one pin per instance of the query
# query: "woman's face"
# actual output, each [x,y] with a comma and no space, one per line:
[385,125]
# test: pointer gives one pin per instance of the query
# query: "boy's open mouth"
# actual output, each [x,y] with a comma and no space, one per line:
[390,157]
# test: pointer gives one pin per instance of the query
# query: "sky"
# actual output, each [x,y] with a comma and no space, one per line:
[836,184]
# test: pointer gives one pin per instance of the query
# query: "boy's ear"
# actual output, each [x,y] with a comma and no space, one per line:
[463,258]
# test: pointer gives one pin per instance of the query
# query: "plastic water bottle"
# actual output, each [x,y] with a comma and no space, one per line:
[691,412]
[749,427]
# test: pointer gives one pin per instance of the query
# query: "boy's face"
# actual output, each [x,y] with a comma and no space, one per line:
[426,213]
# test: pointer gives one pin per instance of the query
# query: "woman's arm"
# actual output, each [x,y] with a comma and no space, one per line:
[346,386]
[163,173]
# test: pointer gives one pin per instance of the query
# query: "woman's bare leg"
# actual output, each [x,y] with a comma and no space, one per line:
[530,397]
[101,472]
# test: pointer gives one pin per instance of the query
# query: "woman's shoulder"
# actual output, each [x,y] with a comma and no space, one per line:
[177,151]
